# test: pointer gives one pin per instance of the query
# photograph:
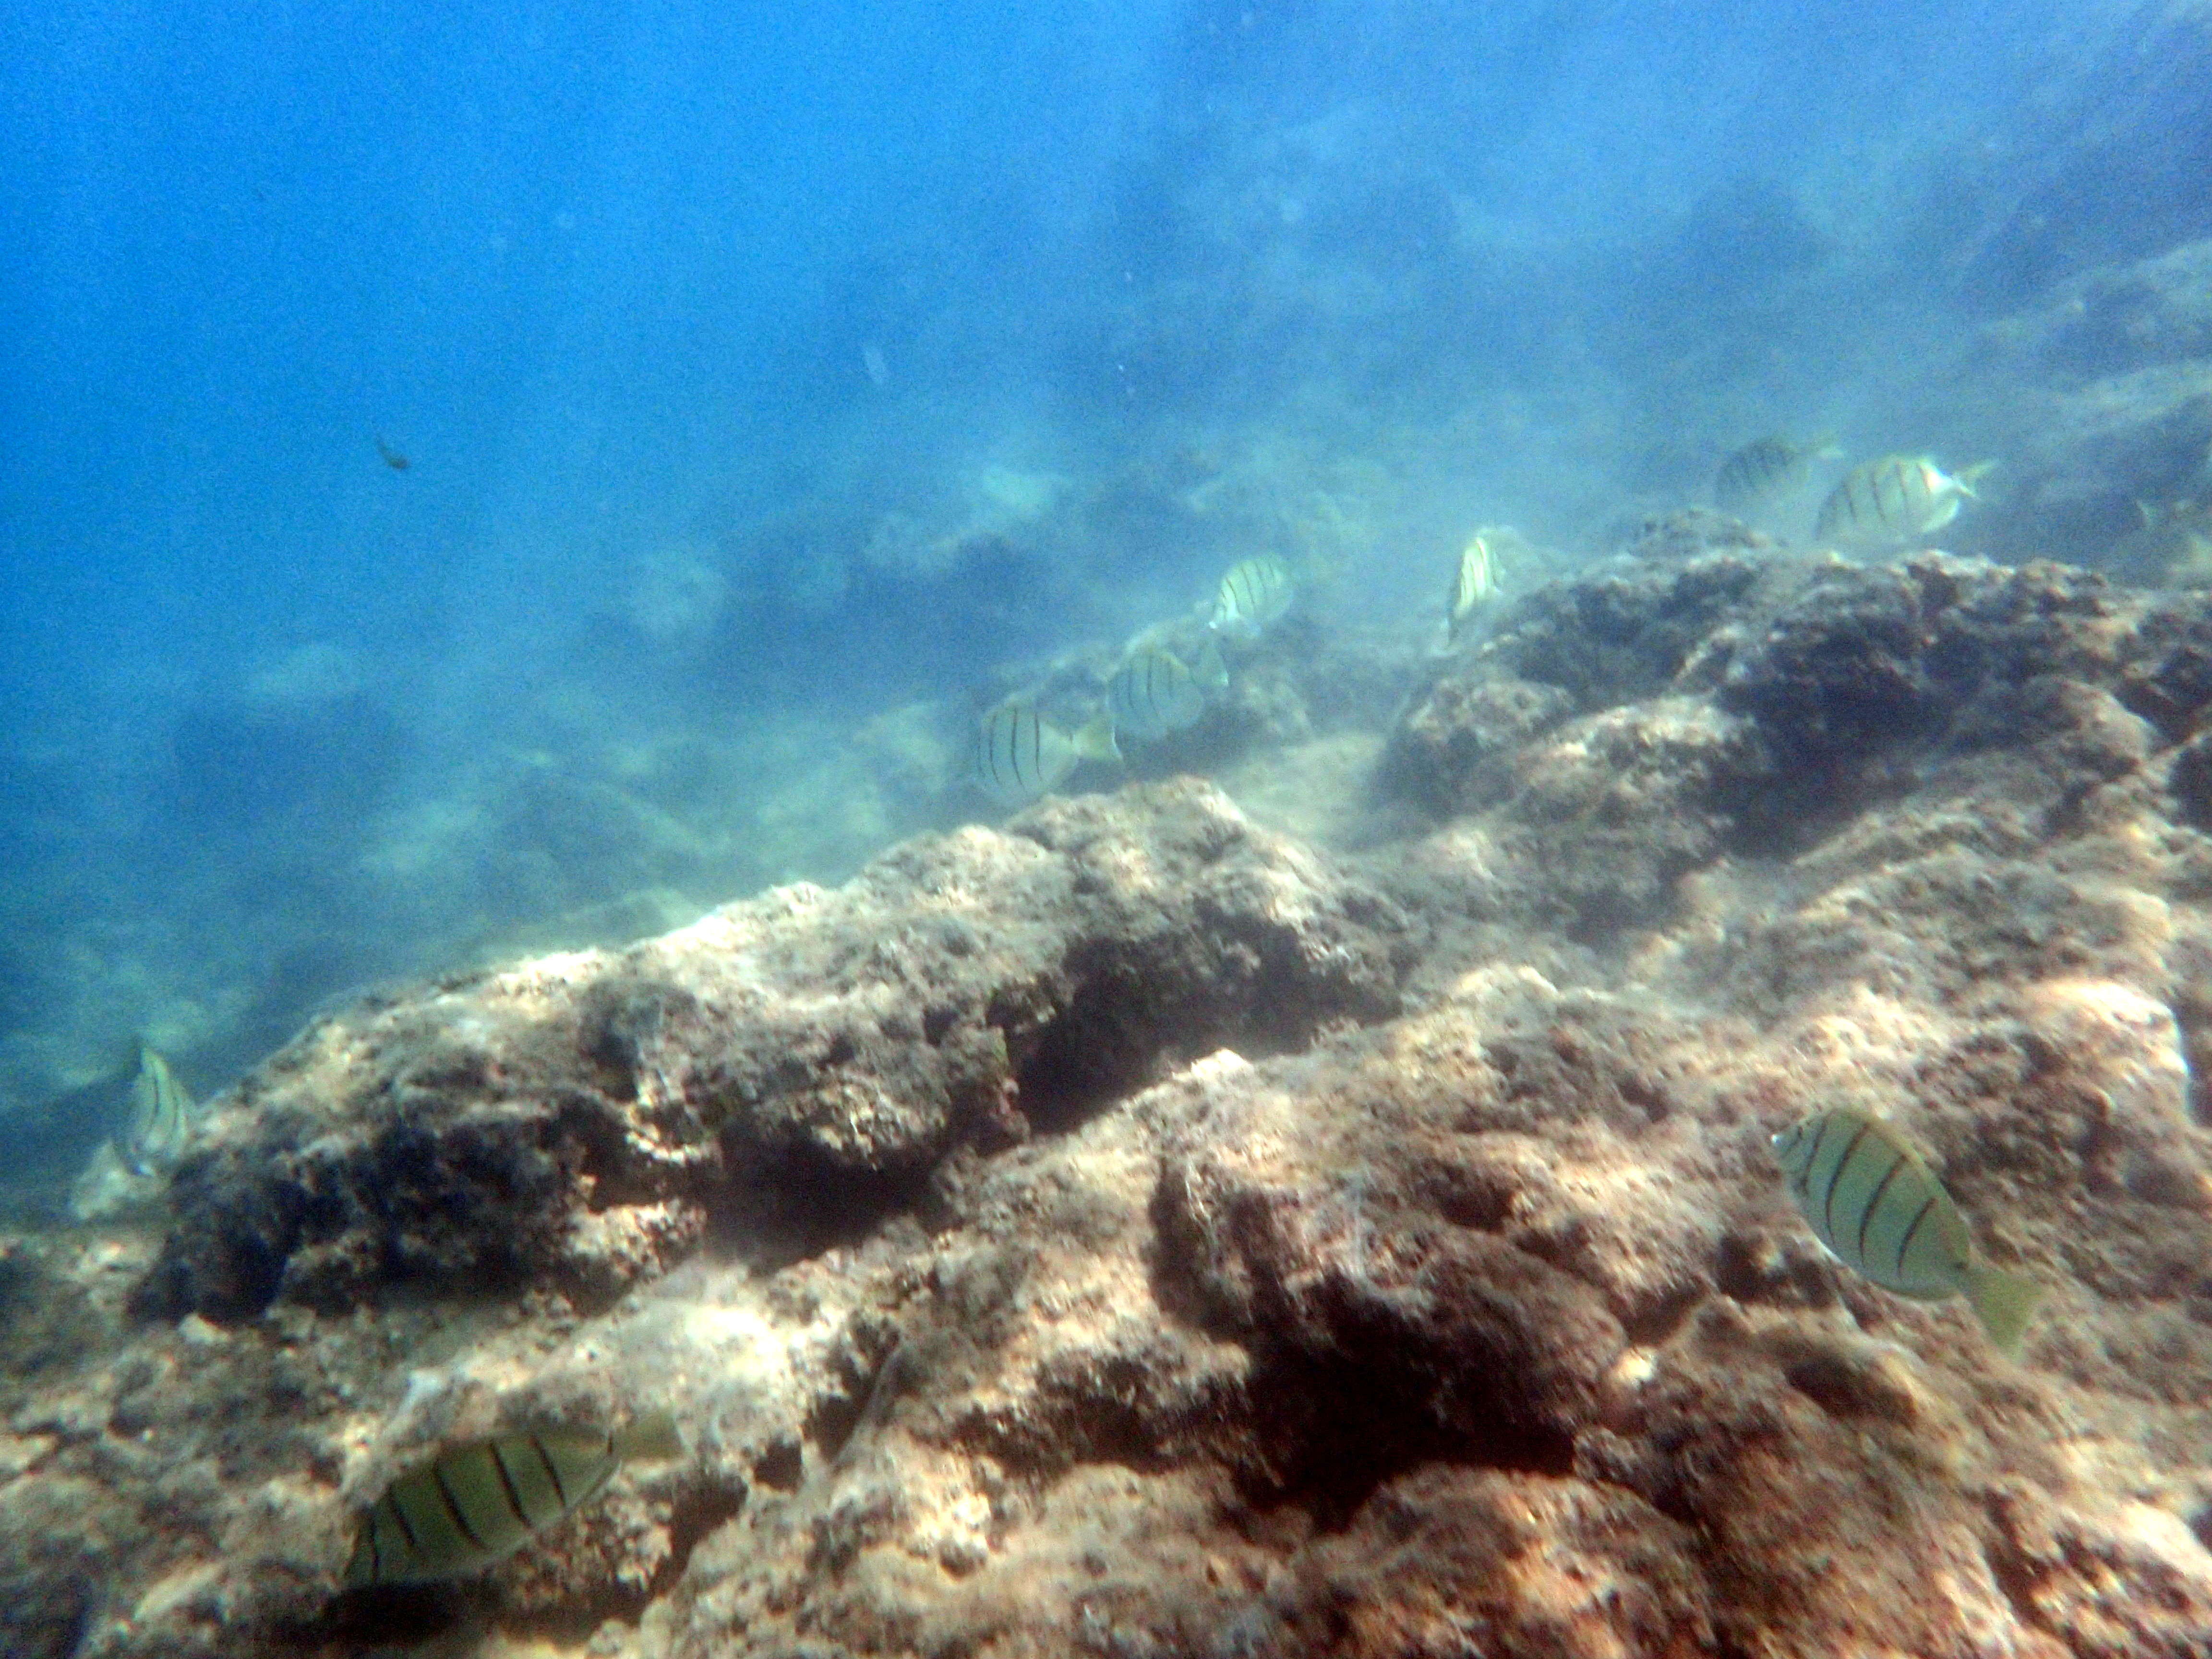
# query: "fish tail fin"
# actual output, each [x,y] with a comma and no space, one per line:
[1094,741]
[1973,476]
[2003,1302]
[1209,671]
[652,1437]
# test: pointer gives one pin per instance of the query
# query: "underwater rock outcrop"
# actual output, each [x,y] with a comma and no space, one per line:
[1135,1232]
[783,1069]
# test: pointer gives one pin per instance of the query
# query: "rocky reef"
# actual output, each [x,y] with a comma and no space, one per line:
[1134,1231]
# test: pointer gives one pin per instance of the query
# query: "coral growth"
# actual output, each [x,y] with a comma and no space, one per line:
[1138,1232]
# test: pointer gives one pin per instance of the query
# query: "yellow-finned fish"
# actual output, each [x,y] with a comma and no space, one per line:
[475,1505]
[1894,499]
[1152,694]
[160,1116]
[1254,592]
[1765,468]
[1876,1205]
[1020,755]
[1475,584]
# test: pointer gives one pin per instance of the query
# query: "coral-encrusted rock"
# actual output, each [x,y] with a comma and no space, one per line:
[1469,1314]
[581,1120]
[1449,1560]
[1449,753]
[1812,689]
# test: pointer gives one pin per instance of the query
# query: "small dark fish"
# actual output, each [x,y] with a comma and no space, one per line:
[392,458]
[475,1505]
[1882,1209]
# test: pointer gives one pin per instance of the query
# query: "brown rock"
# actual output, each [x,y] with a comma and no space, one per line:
[1131,1233]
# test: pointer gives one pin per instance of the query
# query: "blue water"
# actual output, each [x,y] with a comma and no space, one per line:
[697,327]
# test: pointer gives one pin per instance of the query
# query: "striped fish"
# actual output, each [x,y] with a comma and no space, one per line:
[475,1505]
[1475,584]
[1254,592]
[160,1116]
[1764,469]
[1884,1214]
[1893,500]
[1152,694]
[1020,755]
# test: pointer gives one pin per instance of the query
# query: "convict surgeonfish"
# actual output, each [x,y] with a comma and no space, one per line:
[160,1116]
[1020,755]
[1152,694]
[1884,1214]
[1254,593]
[1765,470]
[1475,584]
[475,1505]
[1893,500]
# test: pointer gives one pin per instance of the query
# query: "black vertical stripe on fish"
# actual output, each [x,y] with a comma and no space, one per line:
[1904,1244]
[426,1509]
[1004,730]
[513,1492]
[1874,1200]
[1803,1179]
[500,1522]
[559,1486]
[539,1493]
[1828,1198]
[588,1463]
[461,1522]
[406,1523]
